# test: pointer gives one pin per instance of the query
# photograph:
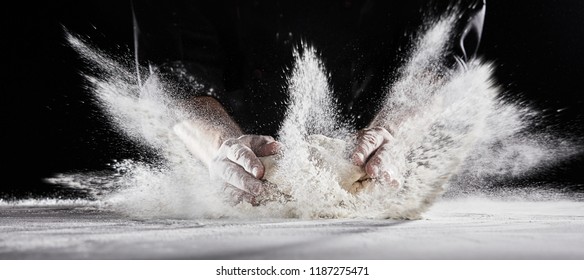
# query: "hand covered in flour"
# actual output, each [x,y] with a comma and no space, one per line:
[372,153]
[236,164]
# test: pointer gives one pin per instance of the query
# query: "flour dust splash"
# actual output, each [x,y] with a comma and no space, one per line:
[452,130]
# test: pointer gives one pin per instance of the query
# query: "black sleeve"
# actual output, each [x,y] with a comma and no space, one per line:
[178,42]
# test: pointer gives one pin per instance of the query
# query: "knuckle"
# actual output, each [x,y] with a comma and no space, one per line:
[245,139]
[360,150]
[368,139]
[383,150]
[259,140]
[266,139]
[379,132]
[248,184]
[376,160]
[230,142]
[379,129]
[230,175]
[238,153]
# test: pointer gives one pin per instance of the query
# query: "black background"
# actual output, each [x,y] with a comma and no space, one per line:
[51,125]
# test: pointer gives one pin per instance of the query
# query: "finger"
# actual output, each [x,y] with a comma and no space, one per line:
[367,142]
[237,195]
[382,166]
[376,166]
[373,166]
[268,149]
[246,158]
[235,175]
[265,146]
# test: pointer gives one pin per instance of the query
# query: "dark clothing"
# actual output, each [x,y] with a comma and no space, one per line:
[243,50]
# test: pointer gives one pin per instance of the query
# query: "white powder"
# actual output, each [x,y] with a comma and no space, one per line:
[454,130]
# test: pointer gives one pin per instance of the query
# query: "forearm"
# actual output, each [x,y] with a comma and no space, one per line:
[207,126]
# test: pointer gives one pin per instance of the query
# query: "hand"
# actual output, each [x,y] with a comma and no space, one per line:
[372,153]
[236,164]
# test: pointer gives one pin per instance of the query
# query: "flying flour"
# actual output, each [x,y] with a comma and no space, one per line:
[454,129]
[327,153]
